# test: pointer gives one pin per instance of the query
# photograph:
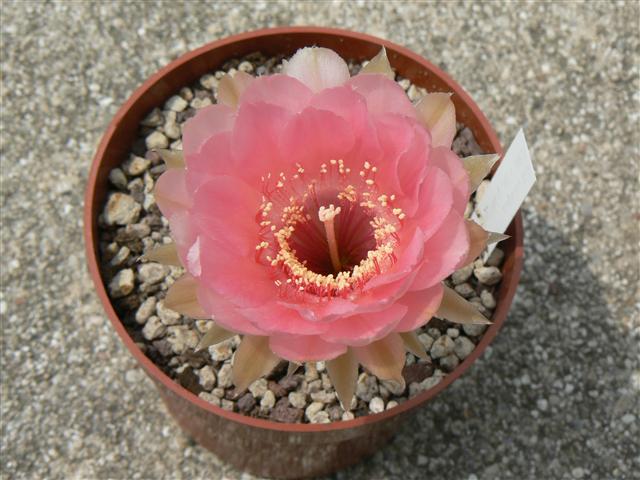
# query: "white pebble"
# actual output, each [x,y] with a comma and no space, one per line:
[376,405]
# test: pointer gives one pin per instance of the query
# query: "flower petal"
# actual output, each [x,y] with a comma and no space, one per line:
[279,90]
[383,96]
[445,252]
[253,359]
[231,88]
[276,318]
[421,306]
[304,348]
[317,68]
[437,112]
[450,163]
[207,122]
[171,193]
[225,314]
[435,201]
[365,328]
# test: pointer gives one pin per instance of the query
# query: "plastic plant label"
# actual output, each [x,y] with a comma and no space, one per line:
[508,188]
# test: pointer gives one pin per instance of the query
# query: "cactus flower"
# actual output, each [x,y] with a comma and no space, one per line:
[316,214]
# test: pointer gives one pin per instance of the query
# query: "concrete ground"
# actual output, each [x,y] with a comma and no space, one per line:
[557,395]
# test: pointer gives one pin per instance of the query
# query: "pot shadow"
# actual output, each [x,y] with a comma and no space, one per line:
[552,395]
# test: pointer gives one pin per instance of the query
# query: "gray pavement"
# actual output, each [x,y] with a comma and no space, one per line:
[557,395]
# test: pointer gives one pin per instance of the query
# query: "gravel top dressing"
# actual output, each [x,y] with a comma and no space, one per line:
[131,224]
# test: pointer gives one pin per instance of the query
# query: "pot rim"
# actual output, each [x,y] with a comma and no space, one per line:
[507,291]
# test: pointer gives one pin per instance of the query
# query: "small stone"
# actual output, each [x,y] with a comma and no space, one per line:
[156,140]
[145,310]
[542,404]
[449,363]
[221,351]
[208,397]
[209,81]
[434,333]
[426,384]
[246,67]
[118,178]
[135,165]
[392,404]
[312,410]
[577,472]
[224,376]
[460,276]
[152,273]
[453,332]
[258,388]
[277,389]
[348,416]
[488,275]
[298,399]
[487,299]
[465,290]
[172,130]
[176,104]
[268,400]
[246,403]
[417,372]
[442,347]
[413,93]
[463,347]
[207,377]
[154,328]
[122,283]
[310,372]
[495,259]
[121,209]
[186,93]
[168,316]
[367,387]
[227,404]
[426,341]
[120,257]
[320,417]
[200,102]
[628,418]
[396,388]
[323,397]
[314,386]
[289,382]
[285,414]
[473,330]
[181,338]
[376,405]
[405,84]
[154,119]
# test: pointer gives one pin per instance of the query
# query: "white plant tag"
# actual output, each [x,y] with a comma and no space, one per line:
[508,189]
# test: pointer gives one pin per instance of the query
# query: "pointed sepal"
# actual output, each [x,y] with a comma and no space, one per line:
[182,297]
[379,64]
[384,358]
[458,310]
[214,335]
[167,254]
[478,167]
[253,359]
[343,372]
[230,88]
[438,114]
[172,158]
[413,344]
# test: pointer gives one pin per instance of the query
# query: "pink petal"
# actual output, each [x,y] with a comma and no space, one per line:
[213,158]
[239,278]
[366,328]
[383,95]
[234,227]
[314,137]
[255,141]
[435,201]
[273,317]
[280,90]
[317,68]
[344,102]
[170,192]
[411,168]
[304,348]
[421,306]
[206,123]
[444,252]
[450,163]
[225,313]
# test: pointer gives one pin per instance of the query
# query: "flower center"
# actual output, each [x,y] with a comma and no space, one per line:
[329,234]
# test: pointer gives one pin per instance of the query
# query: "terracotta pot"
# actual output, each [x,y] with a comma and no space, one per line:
[259,446]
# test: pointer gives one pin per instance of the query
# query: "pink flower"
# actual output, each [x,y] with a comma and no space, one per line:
[317,214]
